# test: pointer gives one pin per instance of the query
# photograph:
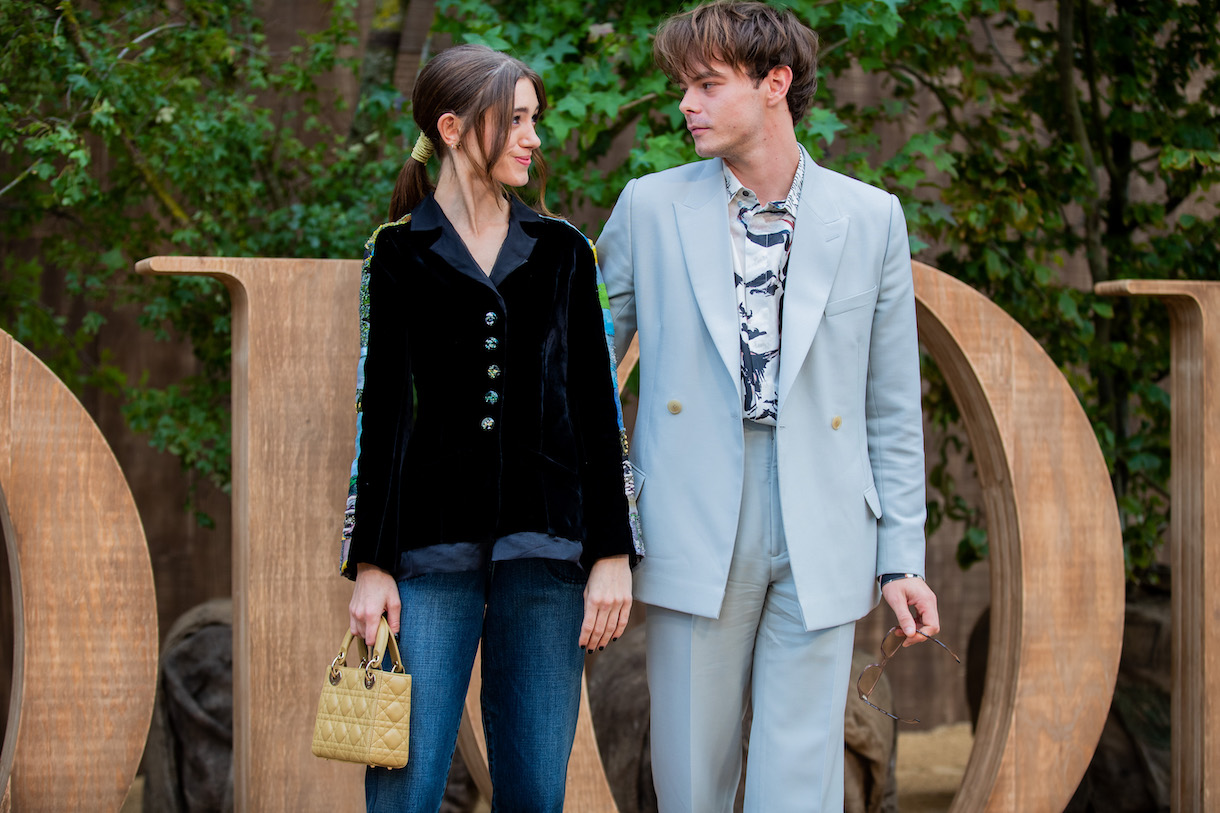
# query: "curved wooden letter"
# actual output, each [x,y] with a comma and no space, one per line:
[1056,553]
[85,617]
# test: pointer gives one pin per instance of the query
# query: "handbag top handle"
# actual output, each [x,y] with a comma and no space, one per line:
[384,639]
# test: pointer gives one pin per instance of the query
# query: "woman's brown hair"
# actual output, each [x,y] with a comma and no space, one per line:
[749,36]
[478,85]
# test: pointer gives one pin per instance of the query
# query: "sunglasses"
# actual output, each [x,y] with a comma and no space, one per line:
[890,645]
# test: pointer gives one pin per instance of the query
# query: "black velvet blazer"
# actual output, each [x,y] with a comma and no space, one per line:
[517,426]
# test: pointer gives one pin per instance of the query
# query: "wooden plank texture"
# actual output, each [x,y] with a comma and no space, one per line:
[84,672]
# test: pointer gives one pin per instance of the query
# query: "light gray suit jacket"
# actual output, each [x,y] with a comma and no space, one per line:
[849,435]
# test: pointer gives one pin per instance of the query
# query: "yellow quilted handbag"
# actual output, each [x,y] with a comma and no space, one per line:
[364,713]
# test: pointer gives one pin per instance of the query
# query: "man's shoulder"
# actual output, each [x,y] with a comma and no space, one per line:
[848,192]
[674,182]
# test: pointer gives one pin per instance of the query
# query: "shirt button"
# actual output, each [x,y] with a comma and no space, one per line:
[492,343]
[491,397]
[490,318]
[493,371]
[674,407]
[488,424]
[836,422]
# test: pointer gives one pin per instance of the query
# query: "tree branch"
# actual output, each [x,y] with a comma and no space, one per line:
[1090,63]
[995,48]
[1080,136]
[941,96]
[137,158]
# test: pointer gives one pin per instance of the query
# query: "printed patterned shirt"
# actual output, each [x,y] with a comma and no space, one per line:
[761,234]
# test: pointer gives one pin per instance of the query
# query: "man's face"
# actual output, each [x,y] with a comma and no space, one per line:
[723,109]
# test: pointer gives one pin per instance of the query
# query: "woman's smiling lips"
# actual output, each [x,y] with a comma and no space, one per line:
[523,160]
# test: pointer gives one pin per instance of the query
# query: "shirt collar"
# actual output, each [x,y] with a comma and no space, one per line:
[788,204]
[516,249]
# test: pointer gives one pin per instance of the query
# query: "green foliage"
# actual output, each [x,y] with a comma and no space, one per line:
[135,128]
[1040,157]
[1102,170]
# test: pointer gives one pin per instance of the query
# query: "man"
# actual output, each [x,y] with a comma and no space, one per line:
[778,448]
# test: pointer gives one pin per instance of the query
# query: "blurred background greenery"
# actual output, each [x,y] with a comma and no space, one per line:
[1038,148]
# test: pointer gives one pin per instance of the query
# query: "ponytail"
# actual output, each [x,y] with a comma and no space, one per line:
[413,186]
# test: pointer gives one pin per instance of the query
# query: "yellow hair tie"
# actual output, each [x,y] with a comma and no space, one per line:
[423,149]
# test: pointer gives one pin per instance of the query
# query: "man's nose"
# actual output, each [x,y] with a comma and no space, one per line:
[689,104]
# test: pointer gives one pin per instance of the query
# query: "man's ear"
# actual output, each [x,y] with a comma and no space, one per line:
[777,81]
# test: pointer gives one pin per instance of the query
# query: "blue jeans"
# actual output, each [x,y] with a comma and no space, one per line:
[531,682]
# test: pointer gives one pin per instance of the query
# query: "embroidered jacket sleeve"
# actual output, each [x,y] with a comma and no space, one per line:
[607,488]
[374,521]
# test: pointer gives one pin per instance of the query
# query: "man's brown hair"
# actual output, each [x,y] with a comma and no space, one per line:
[749,36]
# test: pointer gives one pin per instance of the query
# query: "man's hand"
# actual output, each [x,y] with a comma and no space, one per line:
[607,602]
[376,592]
[914,606]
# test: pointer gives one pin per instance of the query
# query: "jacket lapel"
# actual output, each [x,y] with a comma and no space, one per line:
[703,230]
[817,248]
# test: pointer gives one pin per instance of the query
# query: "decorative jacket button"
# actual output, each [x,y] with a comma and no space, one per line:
[674,407]
[492,343]
[490,318]
[488,424]
[491,397]
[493,371]
[836,422]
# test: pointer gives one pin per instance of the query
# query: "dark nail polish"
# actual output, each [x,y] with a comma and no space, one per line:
[600,648]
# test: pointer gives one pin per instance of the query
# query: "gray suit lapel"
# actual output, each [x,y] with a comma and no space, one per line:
[817,248]
[703,229]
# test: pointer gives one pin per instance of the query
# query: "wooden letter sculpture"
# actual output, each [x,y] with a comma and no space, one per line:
[1057,577]
[1194,310]
[84,616]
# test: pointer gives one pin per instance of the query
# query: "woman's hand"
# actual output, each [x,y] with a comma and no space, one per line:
[376,592]
[607,602]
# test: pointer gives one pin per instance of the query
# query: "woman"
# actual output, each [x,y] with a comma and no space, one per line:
[490,468]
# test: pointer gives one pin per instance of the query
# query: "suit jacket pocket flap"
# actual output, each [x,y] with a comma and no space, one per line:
[870,497]
[637,477]
[851,302]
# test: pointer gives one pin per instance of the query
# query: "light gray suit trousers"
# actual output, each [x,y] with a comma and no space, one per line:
[703,671]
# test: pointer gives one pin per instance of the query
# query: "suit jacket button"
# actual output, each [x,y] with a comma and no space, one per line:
[674,406]
[488,424]
[836,422]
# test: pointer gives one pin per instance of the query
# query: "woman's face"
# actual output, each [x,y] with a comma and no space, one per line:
[513,167]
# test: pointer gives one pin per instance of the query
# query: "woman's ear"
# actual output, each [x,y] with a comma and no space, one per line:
[449,127]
